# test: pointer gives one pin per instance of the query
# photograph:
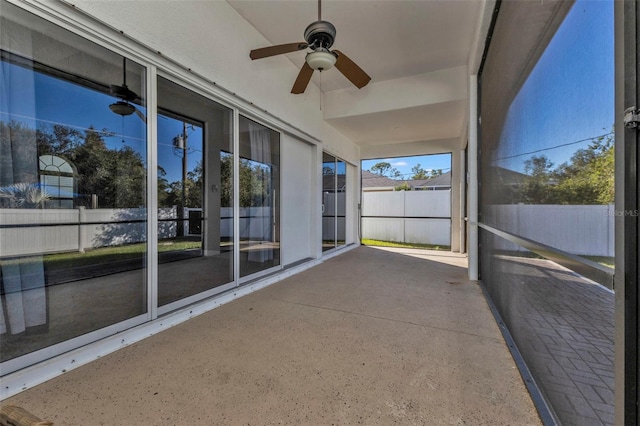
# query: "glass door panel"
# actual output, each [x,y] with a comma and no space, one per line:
[328,202]
[73,178]
[195,196]
[259,168]
[341,202]
[180,179]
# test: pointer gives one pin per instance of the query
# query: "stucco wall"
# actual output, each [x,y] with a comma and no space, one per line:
[213,40]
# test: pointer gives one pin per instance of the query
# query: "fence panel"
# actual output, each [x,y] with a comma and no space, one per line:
[427,204]
[383,204]
[560,226]
[422,217]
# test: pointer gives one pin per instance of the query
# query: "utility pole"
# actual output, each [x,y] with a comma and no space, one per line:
[180,142]
[184,172]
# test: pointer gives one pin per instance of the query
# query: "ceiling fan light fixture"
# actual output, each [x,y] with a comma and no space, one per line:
[321,60]
[122,108]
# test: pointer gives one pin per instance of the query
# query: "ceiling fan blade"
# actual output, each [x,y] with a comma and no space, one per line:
[349,69]
[279,49]
[304,76]
[123,92]
[140,115]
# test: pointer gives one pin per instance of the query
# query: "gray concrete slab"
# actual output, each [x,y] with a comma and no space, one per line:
[373,336]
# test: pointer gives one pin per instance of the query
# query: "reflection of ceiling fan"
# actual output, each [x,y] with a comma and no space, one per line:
[123,106]
[319,37]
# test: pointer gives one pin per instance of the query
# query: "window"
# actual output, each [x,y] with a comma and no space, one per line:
[57,181]
[72,189]
[334,198]
[259,194]
[195,196]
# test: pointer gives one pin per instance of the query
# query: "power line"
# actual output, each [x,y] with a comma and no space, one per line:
[554,147]
[103,132]
[445,170]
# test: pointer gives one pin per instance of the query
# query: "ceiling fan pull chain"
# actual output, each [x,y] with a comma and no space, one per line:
[124,70]
[320,90]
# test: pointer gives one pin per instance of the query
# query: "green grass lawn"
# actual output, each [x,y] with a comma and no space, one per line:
[606,261]
[108,254]
[378,243]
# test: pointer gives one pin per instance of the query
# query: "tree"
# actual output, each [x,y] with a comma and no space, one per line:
[384,169]
[117,176]
[404,186]
[418,172]
[587,178]
[538,184]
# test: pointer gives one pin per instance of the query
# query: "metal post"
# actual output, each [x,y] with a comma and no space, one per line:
[473,177]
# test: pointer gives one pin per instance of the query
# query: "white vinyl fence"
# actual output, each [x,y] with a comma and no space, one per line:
[581,230]
[333,215]
[422,217]
[35,231]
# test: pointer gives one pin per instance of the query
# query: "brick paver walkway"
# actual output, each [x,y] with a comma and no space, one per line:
[564,327]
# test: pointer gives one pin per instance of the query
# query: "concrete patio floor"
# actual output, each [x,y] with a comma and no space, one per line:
[373,336]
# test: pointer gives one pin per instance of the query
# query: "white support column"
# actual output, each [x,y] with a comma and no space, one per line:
[236,196]
[456,207]
[152,188]
[473,177]
[462,173]
[316,202]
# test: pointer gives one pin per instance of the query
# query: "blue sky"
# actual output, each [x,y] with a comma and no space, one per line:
[54,101]
[40,101]
[569,95]
[170,159]
[404,164]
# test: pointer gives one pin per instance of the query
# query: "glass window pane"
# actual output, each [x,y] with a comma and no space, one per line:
[341,202]
[259,197]
[195,197]
[328,201]
[72,186]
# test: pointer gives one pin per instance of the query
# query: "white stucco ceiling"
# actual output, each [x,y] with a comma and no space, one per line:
[407,47]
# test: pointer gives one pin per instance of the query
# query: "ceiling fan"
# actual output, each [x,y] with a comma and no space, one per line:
[124,107]
[319,37]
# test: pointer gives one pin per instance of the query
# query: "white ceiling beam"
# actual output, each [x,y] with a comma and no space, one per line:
[407,92]
[407,149]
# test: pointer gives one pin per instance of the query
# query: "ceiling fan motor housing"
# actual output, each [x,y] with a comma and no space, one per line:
[320,34]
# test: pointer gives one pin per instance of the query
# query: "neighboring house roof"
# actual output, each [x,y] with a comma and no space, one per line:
[372,181]
[508,176]
[437,181]
[329,180]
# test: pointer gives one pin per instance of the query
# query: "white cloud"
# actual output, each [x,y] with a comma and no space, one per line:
[399,164]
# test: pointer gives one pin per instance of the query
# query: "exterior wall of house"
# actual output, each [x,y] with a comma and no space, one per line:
[205,48]
[214,41]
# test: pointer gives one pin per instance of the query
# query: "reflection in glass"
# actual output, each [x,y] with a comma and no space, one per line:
[334,192]
[340,202]
[195,226]
[259,197]
[328,201]
[72,187]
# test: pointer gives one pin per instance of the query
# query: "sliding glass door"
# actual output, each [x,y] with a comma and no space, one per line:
[334,191]
[73,197]
[195,196]
[86,172]
[259,192]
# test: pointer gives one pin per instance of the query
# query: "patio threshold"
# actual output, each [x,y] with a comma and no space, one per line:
[371,336]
